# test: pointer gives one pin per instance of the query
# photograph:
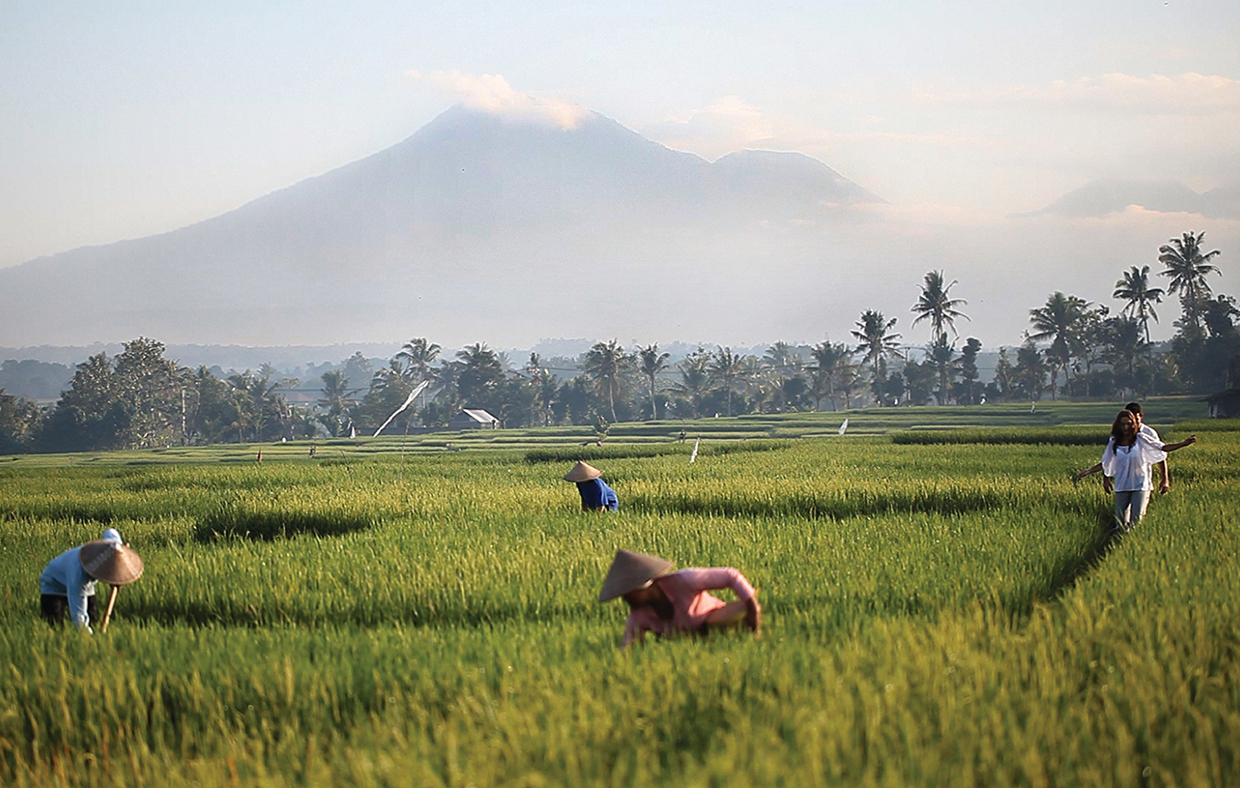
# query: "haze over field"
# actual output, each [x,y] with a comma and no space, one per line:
[513,172]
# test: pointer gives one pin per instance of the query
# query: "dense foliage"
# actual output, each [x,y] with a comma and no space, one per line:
[139,399]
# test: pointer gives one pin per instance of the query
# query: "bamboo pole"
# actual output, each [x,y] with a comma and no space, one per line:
[107,614]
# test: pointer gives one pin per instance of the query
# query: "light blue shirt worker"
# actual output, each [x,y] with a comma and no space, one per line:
[64,576]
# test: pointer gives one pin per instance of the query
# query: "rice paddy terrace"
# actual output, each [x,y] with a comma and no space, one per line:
[942,605]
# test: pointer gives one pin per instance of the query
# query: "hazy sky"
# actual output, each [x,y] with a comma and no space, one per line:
[124,119]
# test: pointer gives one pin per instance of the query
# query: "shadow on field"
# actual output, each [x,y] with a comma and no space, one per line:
[230,523]
[1105,540]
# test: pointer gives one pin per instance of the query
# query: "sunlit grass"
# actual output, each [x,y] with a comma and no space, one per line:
[946,614]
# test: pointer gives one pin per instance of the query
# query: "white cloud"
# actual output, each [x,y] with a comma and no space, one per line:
[1187,94]
[492,93]
[730,124]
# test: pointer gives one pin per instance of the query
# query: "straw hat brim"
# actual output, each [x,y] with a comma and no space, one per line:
[630,571]
[112,562]
[581,472]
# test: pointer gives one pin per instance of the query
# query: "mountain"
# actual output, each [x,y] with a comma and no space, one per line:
[1108,196]
[1223,202]
[475,220]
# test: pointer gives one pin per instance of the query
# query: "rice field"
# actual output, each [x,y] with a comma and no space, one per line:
[950,613]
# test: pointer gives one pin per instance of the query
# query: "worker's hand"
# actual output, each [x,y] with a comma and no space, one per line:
[1165,487]
[1107,487]
[733,615]
[753,615]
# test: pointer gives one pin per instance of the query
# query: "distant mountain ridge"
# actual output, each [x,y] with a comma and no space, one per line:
[1113,195]
[470,201]
[480,228]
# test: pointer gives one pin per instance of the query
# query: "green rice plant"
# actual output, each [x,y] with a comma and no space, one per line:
[951,613]
[596,453]
[1071,435]
[1063,435]
[1205,425]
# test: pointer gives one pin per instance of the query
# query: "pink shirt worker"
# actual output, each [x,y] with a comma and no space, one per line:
[671,603]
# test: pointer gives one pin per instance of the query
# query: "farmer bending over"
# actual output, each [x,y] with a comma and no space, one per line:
[672,603]
[68,581]
[596,496]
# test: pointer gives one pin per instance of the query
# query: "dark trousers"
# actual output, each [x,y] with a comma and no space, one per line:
[54,608]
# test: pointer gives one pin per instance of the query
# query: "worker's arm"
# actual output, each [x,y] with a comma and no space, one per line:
[1092,469]
[1170,447]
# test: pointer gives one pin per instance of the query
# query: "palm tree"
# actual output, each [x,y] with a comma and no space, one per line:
[694,378]
[848,380]
[783,358]
[1123,346]
[1059,320]
[727,370]
[829,361]
[418,354]
[935,305]
[1028,376]
[335,389]
[257,401]
[759,382]
[337,401]
[604,363]
[780,364]
[876,342]
[1187,267]
[544,387]
[478,375]
[940,353]
[388,390]
[652,362]
[1135,288]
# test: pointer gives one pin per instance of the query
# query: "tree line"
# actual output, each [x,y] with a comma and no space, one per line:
[1074,348]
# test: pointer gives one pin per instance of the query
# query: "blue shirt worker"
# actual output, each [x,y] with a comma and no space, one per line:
[596,496]
[68,581]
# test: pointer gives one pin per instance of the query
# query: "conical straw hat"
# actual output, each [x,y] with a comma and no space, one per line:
[630,571]
[582,473]
[112,562]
